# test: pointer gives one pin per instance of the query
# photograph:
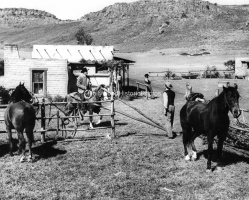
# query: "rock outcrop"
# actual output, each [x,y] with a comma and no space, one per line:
[21,17]
[163,8]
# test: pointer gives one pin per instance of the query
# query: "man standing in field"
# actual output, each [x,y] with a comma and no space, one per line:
[188,91]
[149,87]
[169,108]
[83,83]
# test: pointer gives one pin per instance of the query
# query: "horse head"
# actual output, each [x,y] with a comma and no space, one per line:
[102,92]
[21,93]
[232,100]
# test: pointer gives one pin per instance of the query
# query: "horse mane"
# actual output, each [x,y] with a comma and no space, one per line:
[220,96]
[17,94]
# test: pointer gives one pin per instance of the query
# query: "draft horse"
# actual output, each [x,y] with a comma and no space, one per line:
[74,103]
[20,115]
[209,119]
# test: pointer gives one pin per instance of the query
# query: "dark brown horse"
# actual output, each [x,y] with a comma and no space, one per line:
[20,115]
[74,103]
[209,119]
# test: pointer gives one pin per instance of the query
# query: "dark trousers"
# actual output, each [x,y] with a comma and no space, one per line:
[170,119]
[83,106]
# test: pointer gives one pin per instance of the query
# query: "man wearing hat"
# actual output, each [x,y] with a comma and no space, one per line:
[149,87]
[169,108]
[83,83]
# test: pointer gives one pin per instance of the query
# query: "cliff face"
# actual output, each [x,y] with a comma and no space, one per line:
[21,17]
[164,8]
[137,26]
[165,23]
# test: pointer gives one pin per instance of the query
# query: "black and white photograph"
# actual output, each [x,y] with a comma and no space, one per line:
[124,100]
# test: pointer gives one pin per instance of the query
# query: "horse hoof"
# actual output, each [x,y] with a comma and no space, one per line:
[218,169]
[208,170]
[30,159]
[108,137]
[22,159]
[187,157]
[194,156]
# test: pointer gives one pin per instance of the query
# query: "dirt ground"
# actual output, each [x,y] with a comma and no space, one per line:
[141,163]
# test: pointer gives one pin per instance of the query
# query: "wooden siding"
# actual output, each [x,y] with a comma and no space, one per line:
[240,68]
[19,70]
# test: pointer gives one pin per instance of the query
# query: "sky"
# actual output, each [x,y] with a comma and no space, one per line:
[75,9]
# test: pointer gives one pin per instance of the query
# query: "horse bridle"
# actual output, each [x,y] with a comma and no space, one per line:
[229,106]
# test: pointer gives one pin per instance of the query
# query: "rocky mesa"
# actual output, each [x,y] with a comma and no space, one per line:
[20,17]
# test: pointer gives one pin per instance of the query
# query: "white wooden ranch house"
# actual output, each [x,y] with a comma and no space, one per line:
[242,67]
[53,69]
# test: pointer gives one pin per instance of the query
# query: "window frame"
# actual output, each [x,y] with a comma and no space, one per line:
[32,70]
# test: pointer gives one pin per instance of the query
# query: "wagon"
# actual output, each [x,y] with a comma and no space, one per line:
[190,76]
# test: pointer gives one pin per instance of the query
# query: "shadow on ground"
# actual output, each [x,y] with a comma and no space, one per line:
[4,147]
[229,158]
[47,150]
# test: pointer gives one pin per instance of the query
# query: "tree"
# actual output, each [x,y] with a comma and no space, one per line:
[230,64]
[4,94]
[211,72]
[83,38]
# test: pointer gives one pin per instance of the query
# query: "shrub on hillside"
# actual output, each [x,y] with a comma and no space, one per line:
[83,38]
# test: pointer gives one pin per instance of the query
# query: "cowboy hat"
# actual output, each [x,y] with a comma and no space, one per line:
[168,85]
[84,70]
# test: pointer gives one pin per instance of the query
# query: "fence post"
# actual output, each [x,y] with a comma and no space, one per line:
[137,89]
[147,95]
[58,122]
[112,115]
[43,121]
[242,113]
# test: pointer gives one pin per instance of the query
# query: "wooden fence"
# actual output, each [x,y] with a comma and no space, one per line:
[58,117]
[144,85]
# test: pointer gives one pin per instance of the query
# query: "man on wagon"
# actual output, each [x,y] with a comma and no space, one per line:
[83,84]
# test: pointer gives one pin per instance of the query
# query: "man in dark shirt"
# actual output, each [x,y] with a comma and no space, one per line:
[169,107]
[149,87]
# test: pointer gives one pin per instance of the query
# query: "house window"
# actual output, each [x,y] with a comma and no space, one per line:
[245,64]
[38,83]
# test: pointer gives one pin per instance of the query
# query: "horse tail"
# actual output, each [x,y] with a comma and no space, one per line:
[186,128]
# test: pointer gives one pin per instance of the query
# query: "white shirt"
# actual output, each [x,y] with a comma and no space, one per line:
[165,99]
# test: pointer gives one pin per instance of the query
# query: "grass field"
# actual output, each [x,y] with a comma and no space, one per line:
[141,163]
